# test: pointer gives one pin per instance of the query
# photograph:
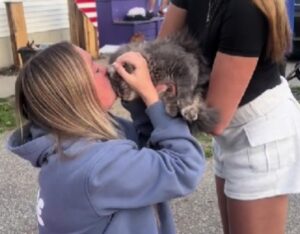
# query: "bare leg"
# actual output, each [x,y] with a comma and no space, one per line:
[261,216]
[222,201]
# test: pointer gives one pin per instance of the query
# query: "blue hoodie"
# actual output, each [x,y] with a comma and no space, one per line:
[114,186]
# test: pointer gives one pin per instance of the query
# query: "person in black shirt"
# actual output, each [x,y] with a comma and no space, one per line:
[177,17]
[256,143]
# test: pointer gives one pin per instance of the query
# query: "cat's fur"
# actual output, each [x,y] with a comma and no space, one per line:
[175,60]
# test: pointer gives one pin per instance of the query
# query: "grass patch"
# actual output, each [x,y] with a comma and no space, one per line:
[7,115]
[296,92]
[206,142]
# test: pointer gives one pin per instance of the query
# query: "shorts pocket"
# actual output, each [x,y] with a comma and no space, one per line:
[271,143]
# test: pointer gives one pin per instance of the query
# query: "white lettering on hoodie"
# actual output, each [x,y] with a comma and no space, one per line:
[39,207]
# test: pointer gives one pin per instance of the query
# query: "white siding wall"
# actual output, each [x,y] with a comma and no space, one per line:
[40,16]
[3,20]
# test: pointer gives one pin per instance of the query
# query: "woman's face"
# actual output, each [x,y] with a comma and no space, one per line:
[105,93]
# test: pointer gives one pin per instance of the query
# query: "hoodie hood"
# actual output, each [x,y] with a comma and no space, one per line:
[35,145]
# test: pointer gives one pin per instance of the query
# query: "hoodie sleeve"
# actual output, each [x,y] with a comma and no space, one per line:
[131,178]
[140,128]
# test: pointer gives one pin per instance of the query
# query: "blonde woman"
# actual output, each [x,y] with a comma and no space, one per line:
[256,143]
[96,176]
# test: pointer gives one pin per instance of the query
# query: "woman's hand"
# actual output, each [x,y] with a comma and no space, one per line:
[139,80]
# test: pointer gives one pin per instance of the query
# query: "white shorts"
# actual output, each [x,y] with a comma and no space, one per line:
[258,155]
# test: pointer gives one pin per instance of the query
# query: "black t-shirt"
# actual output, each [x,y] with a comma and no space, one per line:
[197,11]
[234,27]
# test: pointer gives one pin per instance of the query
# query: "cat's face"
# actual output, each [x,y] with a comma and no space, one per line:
[120,86]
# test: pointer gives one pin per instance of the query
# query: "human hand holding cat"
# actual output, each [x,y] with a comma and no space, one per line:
[177,71]
[139,79]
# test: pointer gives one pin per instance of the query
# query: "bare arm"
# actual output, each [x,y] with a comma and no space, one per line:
[175,20]
[151,4]
[229,79]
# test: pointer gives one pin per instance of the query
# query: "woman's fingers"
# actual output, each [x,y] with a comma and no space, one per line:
[140,74]
[122,71]
[134,58]
[139,79]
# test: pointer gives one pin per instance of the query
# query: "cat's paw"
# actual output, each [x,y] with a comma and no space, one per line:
[190,113]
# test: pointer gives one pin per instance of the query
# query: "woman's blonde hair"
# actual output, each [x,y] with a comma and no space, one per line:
[279,38]
[55,90]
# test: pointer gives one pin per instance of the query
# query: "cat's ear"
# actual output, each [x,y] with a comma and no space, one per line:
[129,67]
[172,89]
[169,88]
[161,88]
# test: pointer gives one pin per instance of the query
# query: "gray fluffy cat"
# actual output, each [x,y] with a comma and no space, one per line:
[175,60]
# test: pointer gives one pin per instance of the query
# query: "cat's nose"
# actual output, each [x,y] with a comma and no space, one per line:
[110,71]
